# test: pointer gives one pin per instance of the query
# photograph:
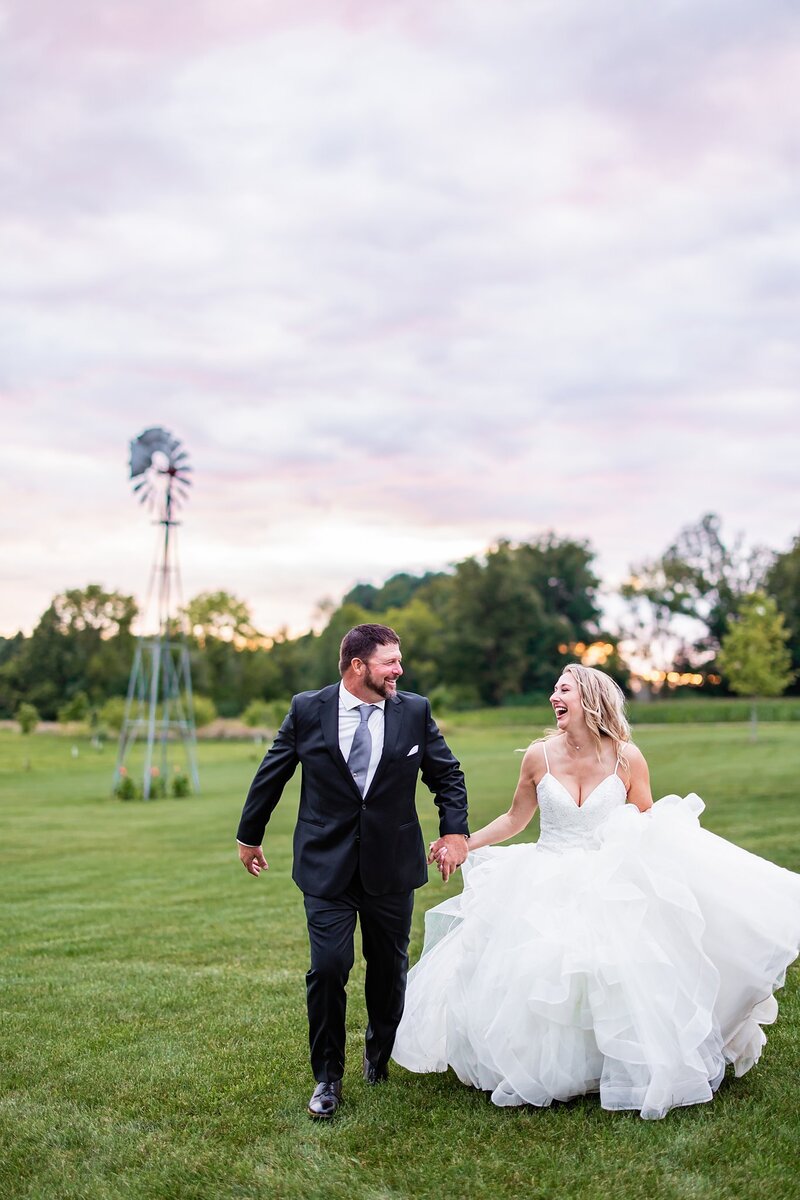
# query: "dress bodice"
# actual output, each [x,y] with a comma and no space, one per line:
[564,824]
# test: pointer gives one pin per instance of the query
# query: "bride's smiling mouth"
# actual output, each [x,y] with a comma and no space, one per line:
[559,710]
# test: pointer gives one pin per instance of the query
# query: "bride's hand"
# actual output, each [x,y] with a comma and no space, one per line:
[448,852]
[436,853]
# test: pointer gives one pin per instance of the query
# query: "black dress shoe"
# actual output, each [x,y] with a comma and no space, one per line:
[374,1074]
[326,1099]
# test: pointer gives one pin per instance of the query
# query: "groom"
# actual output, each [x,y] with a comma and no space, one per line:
[358,846]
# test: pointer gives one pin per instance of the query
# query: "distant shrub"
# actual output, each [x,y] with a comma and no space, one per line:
[257,714]
[265,714]
[125,788]
[76,709]
[158,786]
[204,711]
[454,699]
[180,784]
[112,714]
[27,717]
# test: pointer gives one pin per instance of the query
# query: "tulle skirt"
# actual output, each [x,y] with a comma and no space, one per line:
[636,966]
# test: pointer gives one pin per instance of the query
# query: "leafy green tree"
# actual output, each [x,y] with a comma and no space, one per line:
[492,628]
[560,570]
[12,690]
[9,647]
[322,651]
[493,614]
[82,643]
[260,677]
[27,717]
[217,672]
[782,582]
[754,655]
[420,631]
[511,620]
[225,642]
[699,578]
[397,592]
[298,664]
[220,615]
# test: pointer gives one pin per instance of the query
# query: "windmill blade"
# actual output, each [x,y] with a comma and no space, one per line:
[156,480]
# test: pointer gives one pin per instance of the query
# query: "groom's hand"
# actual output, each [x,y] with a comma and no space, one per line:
[252,858]
[448,853]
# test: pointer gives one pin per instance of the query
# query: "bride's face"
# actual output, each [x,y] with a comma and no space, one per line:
[566,702]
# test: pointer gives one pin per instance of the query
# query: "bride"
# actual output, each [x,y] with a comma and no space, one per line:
[628,952]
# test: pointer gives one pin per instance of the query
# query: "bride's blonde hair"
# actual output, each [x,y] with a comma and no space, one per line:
[603,703]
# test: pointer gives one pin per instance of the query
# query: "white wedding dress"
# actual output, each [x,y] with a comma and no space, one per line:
[629,954]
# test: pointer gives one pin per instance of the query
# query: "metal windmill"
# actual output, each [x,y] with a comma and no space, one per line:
[159,704]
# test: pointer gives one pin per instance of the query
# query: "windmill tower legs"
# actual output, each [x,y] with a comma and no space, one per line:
[159,708]
[159,712]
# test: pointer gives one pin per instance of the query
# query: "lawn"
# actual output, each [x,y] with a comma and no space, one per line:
[153,1027]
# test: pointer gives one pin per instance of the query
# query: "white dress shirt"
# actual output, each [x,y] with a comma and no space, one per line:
[349,721]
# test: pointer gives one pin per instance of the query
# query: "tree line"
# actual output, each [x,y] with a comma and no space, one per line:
[494,629]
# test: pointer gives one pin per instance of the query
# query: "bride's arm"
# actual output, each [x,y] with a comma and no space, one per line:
[523,806]
[639,793]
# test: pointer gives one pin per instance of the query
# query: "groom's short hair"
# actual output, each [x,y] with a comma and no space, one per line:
[360,642]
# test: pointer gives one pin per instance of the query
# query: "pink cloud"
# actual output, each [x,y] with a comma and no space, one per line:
[83,29]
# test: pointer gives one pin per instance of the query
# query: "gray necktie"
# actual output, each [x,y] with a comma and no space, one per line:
[360,751]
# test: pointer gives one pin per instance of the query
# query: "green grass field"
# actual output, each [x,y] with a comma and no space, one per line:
[153,1023]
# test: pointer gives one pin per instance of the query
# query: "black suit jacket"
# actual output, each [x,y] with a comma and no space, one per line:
[337,831]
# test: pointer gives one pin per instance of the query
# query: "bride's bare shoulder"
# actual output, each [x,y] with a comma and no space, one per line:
[635,763]
[633,754]
[535,760]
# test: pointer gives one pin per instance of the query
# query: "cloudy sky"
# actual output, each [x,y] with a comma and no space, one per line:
[404,276]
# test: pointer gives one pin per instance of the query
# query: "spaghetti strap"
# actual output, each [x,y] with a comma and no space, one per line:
[546,763]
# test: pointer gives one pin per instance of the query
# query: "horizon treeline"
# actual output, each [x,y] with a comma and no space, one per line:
[492,630]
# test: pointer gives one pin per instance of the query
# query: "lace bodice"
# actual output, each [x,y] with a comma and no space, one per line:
[565,825]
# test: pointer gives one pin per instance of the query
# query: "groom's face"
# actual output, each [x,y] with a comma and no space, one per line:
[383,669]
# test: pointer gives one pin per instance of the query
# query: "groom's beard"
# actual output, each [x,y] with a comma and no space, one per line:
[383,687]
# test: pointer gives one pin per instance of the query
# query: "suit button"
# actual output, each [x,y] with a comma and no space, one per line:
[358,839]
[363,806]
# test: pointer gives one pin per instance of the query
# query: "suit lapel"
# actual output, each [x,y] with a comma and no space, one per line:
[329,720]
[392,724]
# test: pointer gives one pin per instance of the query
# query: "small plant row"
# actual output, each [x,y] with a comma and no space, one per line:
[178,786]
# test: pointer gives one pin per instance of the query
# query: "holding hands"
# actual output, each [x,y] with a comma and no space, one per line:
[448,852]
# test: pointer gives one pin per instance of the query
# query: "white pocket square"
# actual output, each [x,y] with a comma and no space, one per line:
[413,750]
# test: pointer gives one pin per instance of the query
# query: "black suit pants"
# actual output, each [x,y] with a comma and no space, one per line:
[385,926]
